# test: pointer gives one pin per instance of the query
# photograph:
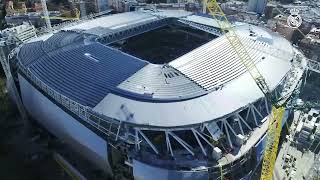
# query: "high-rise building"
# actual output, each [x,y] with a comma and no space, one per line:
[93,6]
[257,6]
[101,5]
[310,45]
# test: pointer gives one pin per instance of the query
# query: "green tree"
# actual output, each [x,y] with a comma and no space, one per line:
[2,16]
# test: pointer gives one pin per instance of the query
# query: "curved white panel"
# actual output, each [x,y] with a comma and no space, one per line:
[64,126]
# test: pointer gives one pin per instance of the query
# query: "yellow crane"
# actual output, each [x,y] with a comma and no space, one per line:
[275,120]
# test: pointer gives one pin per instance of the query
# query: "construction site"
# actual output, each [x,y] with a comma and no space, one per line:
[158,93]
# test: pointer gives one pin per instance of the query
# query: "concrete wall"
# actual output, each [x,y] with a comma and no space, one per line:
[64,126]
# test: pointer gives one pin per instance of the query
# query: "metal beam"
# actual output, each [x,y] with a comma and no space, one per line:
[254,108]
[202,137]
[314,66]
[137,143]
[149,142]
[233,132]
[240,125]
[228,136]
[248,112]
[221,126]
[254,115]
[244,122]
[199,142]
[182,142]
[211,132]
[118,130]
[267,105]
[169,148]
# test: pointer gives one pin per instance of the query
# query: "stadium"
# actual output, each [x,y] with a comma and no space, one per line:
[160,93]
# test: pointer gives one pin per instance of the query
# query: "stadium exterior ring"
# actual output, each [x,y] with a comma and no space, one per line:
[195,116]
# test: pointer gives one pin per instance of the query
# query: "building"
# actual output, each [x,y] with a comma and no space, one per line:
[102,5]
[37,7]
[283,28]
[257,6]
[123,5]
[21,8]
[35,18]
[94,6]
[311,44]
[308,133]
[158,94]
[19,34]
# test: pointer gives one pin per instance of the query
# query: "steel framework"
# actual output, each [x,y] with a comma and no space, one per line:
[274,127]
[314,66]
[118,130]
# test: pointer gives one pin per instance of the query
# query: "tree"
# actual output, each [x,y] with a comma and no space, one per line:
[2,17]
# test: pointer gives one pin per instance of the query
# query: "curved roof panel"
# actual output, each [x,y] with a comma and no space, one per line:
[87,73]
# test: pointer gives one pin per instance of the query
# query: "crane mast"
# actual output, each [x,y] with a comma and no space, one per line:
[275,119]
[46,14]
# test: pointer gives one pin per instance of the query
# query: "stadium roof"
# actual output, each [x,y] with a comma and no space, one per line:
[204,84]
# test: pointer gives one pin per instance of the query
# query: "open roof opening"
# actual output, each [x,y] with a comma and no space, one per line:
[164,44]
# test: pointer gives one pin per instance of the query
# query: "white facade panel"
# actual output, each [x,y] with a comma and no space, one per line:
[64,126]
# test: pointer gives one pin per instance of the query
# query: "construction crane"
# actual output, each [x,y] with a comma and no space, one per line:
[46,14]
[275,120]
[47,17]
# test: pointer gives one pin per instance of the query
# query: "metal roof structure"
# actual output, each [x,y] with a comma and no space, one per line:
[204,84]
[169,109]
[80,73]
